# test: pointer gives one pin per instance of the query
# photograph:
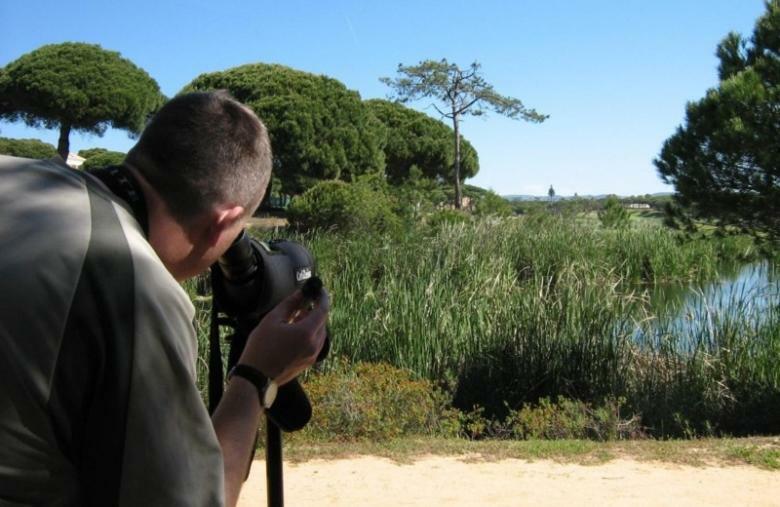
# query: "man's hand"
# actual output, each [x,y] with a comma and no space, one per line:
[282,350]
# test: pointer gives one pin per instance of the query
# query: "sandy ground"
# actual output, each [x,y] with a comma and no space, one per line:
[449,481]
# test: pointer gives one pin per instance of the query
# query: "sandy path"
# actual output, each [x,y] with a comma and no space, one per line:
[448,481]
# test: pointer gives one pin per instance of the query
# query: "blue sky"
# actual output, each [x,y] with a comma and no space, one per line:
[614,76]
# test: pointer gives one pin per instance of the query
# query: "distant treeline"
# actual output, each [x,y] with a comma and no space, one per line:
[587,204]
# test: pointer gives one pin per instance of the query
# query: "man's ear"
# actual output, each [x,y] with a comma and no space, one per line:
[222,222]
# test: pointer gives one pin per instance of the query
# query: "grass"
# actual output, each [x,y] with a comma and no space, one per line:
[761,452]
[430,301]
[503,312]
[406,450]
[545,307]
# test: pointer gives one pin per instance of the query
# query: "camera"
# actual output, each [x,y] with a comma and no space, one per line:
[248,281]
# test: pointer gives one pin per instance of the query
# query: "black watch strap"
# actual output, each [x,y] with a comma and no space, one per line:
[266,388]
[251,374]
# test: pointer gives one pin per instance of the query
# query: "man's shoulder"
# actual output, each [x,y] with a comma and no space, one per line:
[9,160]
[155,282]
[50,166]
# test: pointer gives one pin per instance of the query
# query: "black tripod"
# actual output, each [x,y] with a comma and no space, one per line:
[291,410]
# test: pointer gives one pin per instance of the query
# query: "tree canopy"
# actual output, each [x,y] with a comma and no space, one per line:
[318,128]
[725,160]
[462,92]
[26,148]
[100,157]
[77,86]
[415,140]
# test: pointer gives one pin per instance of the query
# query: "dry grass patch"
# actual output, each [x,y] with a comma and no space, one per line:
[761,452]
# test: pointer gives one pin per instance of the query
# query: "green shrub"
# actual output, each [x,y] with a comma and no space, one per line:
[336,205]
[491,203]
[475,425]
[26,148]
[572,419]
[373,401]
[614,215]
[106,158]
[417,197]
[447,216]
[563,419]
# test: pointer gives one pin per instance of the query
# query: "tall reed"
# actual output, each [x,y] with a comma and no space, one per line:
[504,312]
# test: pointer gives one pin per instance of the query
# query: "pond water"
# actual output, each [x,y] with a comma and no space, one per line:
[747,295]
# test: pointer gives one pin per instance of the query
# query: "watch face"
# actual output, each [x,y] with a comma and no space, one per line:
[270,393]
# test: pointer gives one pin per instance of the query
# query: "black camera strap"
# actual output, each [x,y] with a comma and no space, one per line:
[122,183]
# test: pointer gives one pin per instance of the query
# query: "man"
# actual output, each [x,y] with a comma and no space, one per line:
[98,403]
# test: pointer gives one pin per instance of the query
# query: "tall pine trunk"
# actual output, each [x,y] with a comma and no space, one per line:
[458,197]
[63,145]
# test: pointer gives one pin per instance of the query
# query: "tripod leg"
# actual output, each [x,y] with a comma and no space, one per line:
[273,464]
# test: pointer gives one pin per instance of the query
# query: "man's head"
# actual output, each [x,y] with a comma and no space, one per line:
[207,160]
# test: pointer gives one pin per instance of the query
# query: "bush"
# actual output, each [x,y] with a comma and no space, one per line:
[563,419]
[491,203]
[614,215]
[104,159]
[373,401]
[573,419]
[27,148]
[336,205]
[447,216]
[417,196]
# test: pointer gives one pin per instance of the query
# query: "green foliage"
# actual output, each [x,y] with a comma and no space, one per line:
[562,419]
[614,215]
[414,140]
[542,307]
[573,419]
[508,312]
[461,92]
[757,455]
[583,208]
[27,148]
[417,197]
[91,152]
[676,217]
[77,86]
[491,203]
[447,217]
[319,129]
[725,161]
[104,158]
[374,402]
[336,205]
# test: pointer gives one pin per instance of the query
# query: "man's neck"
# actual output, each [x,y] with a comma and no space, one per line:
[167,236]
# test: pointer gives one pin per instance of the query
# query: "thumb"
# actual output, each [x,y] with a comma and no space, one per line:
[288,305]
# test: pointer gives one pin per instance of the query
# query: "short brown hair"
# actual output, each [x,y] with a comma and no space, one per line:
[204,149]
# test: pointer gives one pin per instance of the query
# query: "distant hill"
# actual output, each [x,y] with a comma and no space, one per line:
[523,197]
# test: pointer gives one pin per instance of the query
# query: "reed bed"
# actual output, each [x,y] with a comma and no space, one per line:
[502,313]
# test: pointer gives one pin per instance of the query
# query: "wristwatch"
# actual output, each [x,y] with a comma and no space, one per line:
[266,387]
